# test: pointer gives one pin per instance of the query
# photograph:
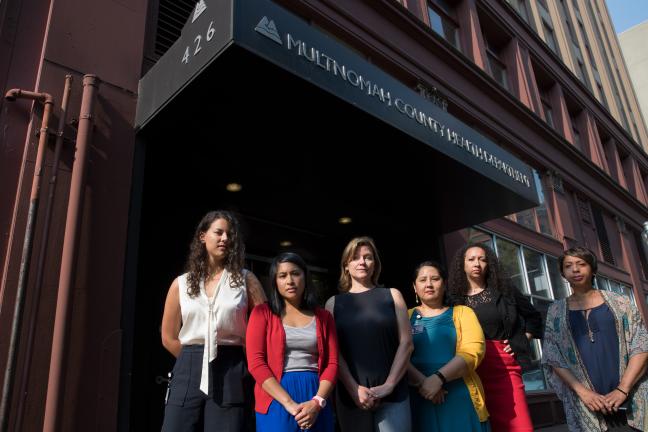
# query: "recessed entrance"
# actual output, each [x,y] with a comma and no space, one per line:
[303,159]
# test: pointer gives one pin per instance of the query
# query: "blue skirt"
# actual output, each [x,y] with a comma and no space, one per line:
[301,386]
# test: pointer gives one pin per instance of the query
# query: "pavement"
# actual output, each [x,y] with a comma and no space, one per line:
[558,428]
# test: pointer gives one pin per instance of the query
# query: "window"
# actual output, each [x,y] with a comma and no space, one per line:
[481,237]
[561,288]
[602,234]
[582,73]
[641,250]
[536,218]
[605,284]
[535,275]
[495,45]
[522,9]
[622,113]
[577,140]
[576,131]
[547,27]
[509,257]
[601,93]
[444,22]
[546,108]
[579,63]
[497,68]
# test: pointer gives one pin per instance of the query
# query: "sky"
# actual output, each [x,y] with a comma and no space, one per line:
[627,13]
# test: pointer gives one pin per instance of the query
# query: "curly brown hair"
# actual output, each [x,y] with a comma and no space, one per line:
[198,260]
[458,281]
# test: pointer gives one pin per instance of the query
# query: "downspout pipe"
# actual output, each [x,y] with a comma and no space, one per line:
[42,255]
[68,259]
[7,387]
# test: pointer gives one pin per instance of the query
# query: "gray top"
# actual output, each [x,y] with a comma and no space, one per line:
[301,348]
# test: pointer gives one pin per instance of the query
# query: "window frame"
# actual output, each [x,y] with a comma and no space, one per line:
[445,16]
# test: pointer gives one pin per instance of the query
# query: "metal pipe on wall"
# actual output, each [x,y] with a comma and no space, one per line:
[16,323]
[42,253]
[68,259]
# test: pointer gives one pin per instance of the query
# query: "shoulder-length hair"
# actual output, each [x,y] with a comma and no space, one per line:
[582,253]
[198,260]
[277,303]
[348,254]
[458,281]
[446,301]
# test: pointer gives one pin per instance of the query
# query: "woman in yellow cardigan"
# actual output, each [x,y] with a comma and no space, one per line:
[448,347]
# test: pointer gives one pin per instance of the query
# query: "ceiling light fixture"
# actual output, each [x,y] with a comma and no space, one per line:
[234,187]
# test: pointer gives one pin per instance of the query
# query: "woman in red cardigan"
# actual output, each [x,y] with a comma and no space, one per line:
[292,353]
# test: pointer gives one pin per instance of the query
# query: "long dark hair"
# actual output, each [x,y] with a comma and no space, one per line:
[198,261]
[446,301]
[277,303]
[458,281]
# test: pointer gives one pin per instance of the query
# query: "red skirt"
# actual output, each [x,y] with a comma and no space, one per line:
[501,376]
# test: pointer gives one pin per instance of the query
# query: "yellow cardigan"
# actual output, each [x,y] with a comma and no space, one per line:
[470,347]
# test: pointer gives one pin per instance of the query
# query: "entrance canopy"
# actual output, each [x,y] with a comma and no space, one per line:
[250,93]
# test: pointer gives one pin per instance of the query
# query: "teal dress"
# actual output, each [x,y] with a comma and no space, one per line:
[435,341]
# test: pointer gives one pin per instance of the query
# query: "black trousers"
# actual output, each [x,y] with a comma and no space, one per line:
[190,410]
[618,422]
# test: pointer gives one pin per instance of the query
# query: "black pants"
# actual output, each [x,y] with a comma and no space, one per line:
[190,410]
[618,422]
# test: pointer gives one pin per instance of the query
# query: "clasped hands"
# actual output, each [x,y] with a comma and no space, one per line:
[369,398]
[607,404]
[305,413]
[432,389]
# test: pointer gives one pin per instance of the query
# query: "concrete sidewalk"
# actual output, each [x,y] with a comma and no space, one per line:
[558,428]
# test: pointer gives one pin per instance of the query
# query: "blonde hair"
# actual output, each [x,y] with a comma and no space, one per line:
[348,254]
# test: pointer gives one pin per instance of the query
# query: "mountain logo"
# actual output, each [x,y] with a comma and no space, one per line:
[201,6]
[268,29]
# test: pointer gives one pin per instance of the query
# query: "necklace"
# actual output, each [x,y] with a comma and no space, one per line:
[590,333]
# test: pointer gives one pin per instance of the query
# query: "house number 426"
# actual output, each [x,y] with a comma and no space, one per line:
[197,47]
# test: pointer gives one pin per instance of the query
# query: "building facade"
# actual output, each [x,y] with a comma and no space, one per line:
[637,60]
[510,122]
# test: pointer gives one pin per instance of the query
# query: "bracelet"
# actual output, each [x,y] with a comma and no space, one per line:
[626,394]
[441,377]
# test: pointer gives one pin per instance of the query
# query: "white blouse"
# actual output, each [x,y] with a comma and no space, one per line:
[221,319]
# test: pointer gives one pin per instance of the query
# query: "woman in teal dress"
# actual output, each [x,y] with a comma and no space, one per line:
[447,394]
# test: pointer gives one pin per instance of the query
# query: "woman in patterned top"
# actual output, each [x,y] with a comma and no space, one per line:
[596,352]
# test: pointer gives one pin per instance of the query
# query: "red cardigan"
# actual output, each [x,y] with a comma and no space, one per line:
[266,345]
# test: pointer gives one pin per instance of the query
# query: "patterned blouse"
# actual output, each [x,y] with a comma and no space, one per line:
[559,350]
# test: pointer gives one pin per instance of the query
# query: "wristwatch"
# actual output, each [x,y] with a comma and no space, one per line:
[320,401]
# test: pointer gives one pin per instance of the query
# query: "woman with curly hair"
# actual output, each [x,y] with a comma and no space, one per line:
[509,321]
[596,352]
[204,326]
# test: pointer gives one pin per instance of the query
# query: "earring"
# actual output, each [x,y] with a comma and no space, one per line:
[417,299]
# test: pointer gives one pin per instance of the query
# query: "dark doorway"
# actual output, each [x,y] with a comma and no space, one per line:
[304,159]
[299,176]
